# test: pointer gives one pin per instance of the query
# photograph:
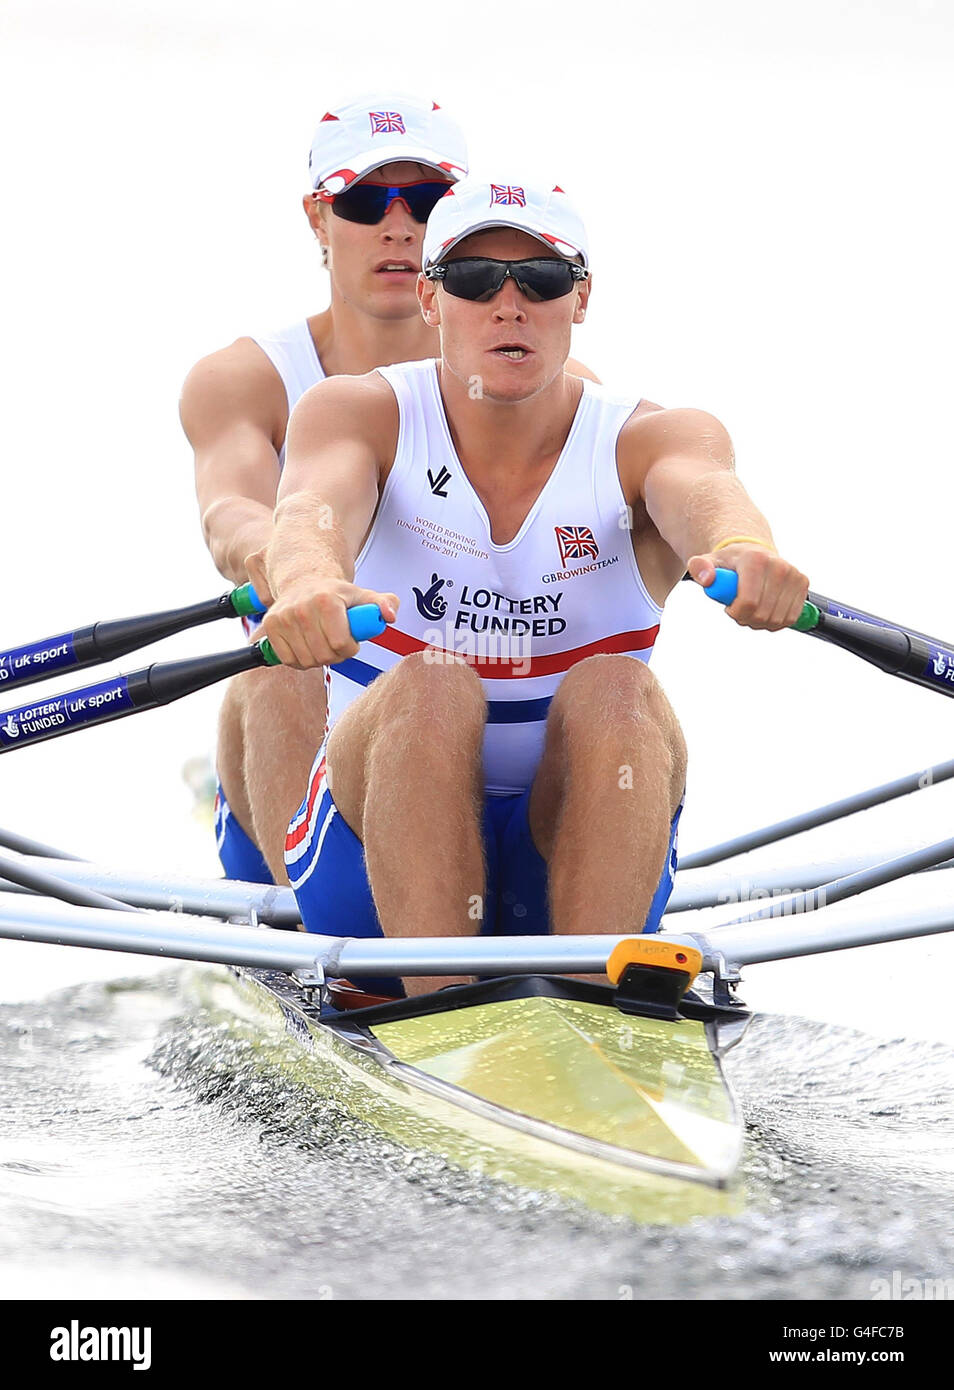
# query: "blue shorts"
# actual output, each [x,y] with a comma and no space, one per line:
[326,868]
[239,855]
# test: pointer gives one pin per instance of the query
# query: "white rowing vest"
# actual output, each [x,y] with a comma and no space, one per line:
[566,587]
[292,353]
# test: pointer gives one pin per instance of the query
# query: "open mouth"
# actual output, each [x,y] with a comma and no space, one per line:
[514,352]
[396,268]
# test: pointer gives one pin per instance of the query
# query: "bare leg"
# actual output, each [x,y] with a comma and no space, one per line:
[269,728]
[608,785]
[404,767]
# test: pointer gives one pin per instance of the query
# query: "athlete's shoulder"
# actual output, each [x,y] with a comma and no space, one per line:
[242,361]
[657,434]
[363,402]
[237,382]
[677,424]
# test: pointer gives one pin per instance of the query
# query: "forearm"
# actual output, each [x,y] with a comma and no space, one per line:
[234,528]
[306,544]
[694,512]
[718,507]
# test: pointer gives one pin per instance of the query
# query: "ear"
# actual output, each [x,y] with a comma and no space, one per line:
[313,211]
[582,299]
[427,295]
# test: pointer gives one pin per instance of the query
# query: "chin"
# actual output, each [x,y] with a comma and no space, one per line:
[509,388]
[387,304]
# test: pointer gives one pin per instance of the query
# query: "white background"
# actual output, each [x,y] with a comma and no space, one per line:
[767,188]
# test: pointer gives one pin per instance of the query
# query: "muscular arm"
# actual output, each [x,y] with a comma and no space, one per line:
[689,482]
[681,464]
[339,433]
[233,410]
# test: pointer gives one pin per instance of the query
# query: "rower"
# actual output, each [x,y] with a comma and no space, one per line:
[376,168]
[501,759]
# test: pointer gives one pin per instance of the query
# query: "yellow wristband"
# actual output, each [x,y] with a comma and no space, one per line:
[744,540]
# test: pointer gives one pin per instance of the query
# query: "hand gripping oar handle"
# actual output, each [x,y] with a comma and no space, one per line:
[895,650]
[158,684]
[99,642]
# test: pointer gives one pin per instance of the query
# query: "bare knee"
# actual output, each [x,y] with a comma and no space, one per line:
[421,714]
[446,696]
[604,691]
[606,699]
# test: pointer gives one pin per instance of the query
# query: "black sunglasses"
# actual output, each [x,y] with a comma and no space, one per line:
[478,278]
[368,202]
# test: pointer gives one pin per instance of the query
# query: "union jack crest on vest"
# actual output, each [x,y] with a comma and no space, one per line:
[387,123]
[509,194]
[576,543]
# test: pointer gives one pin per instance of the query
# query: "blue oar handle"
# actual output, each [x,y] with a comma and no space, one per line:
[724,588]
[365,621]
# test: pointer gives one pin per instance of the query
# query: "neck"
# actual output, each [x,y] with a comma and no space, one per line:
[352,343]
[501,439]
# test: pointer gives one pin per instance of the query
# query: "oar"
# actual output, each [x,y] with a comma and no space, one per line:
[895,650]
[167,934]
[154,685]
[104,641]
[9,839]
[846,610]
[166,892]
[851,885]
[26,875]
[821,815]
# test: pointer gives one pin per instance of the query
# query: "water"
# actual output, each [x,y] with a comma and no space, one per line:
[144,1149]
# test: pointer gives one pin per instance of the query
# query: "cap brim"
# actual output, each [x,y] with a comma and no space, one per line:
[393,154]
[563,249]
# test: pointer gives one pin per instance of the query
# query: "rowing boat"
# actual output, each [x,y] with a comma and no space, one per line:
[609,1094]
[538,1081]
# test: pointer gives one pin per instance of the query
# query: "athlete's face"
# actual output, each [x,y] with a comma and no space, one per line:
[375,268]
[508,348]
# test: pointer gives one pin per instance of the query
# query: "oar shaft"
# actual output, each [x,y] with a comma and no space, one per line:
[168,892]
[9,839]
[105,641]
[822,815]
[894,650]
[844,610]
[27,875]
[851,885]
[106,701]
[204,939]
[752,943]
[169,935]
[159,684]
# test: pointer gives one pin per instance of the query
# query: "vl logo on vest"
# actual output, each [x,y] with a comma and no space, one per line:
[431,603]
[439,484]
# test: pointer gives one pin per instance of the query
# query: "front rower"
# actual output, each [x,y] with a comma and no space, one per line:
[501,759]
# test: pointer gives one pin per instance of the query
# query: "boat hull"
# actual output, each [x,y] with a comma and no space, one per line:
[533,1081]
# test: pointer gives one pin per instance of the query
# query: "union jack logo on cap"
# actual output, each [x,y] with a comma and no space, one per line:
[576,542]
[509,194]
[387,123]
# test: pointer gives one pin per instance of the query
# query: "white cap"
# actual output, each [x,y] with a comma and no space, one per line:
[360,135]
[473,206]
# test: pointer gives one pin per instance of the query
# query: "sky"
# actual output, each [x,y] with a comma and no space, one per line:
[769,203]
